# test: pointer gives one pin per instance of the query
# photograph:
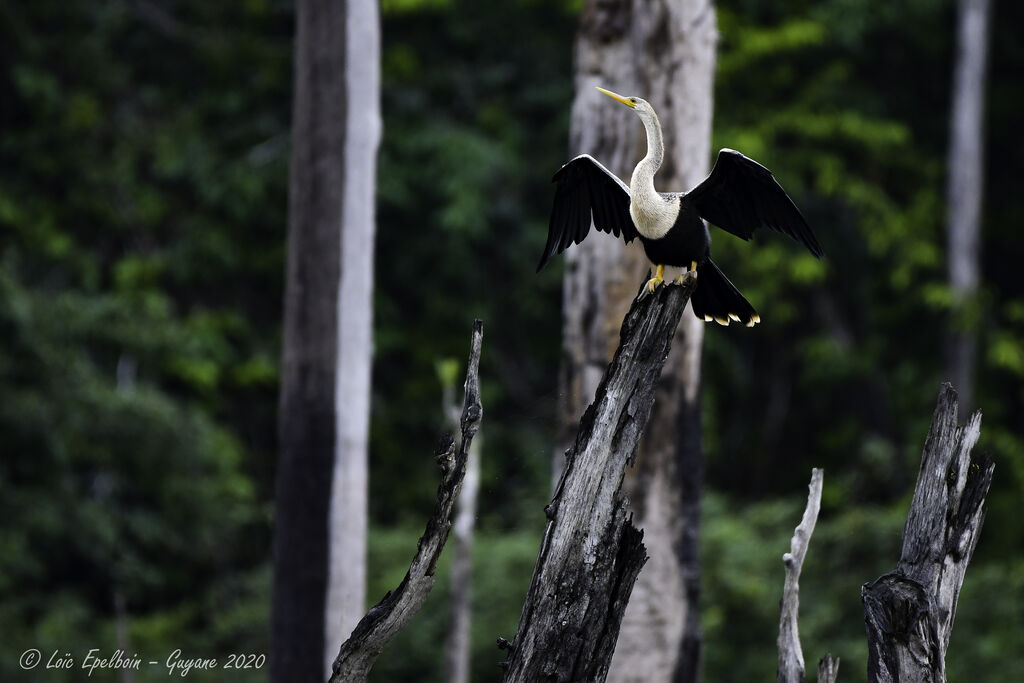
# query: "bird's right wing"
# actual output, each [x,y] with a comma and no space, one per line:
[584,188]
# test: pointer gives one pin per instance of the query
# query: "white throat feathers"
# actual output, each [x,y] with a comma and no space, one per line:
[653,214]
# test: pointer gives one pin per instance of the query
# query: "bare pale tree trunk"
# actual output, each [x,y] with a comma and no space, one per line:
[121,626]
[791,656]
[966,187]
[346,587]
[457,646]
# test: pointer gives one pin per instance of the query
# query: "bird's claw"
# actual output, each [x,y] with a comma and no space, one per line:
[686,278]
[655,282]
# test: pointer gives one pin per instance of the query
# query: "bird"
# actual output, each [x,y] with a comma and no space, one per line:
[739,196]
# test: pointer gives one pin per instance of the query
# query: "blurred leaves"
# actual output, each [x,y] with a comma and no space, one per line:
[139,277]
[143,193]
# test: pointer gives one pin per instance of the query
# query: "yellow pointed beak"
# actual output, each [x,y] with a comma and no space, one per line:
[619,98]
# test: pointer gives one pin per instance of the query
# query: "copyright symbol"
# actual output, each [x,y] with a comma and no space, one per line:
[30,658]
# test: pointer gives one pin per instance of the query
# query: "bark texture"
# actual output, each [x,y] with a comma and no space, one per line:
[909,612]
[791,657]
[591,553]
[390,615]
[346,588]
[828,669]
[966,187]
[306,416]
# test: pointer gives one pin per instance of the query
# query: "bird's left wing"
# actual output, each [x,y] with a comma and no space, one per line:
[584,188]
[740,196]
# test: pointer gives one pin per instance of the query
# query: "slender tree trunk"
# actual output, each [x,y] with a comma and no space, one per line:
[306,417]
[457,646]
[346,587]
[791,656]
[121,629]
[664,51]
[966,187]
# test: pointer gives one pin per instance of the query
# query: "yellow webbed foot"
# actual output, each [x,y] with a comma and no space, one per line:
[655,282]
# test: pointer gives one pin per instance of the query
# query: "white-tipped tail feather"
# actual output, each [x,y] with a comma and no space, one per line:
[718,299]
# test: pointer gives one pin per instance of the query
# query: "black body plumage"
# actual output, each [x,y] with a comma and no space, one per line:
[688,241]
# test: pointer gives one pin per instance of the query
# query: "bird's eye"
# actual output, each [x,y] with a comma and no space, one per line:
[632,100]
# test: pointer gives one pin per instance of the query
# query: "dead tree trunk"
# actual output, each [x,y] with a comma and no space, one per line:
[591,552]
[909,612]
[791,657]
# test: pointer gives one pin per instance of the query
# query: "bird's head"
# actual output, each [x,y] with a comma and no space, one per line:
[641,106]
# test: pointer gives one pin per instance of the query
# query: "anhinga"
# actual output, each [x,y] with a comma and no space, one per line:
[739,196]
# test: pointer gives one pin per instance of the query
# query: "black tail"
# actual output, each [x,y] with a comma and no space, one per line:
[718,299]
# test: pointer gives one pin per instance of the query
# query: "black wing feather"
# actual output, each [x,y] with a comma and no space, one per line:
[740,196]
[585,188]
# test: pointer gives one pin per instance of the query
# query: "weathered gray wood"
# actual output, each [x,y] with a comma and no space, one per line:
[909,612]
[791,656]
[828,669]
[390,615]
[591,553]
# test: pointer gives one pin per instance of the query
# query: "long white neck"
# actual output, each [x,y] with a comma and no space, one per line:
[642,182]
[652,214]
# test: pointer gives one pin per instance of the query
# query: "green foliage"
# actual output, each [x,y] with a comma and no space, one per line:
[143,190]
[459,230]
[859,139]
[141,205]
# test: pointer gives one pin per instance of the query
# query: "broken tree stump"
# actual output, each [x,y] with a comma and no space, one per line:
[909,611]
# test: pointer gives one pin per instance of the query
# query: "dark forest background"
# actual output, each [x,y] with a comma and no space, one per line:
[143,196]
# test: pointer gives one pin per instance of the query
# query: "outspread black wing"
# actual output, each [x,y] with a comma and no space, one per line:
[740,196]
[584,188]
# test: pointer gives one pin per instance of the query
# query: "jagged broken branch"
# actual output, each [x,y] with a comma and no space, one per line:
[397,608]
